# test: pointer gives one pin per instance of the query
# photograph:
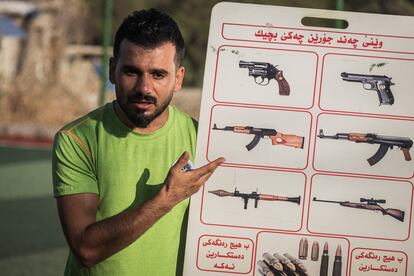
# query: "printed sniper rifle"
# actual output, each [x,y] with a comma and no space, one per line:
[267,71]
[385,143]
[371,204]
[255,196]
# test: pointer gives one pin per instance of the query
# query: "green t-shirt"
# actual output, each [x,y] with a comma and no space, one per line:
[99,154]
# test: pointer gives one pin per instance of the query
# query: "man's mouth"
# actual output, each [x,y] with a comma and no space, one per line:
[142,104]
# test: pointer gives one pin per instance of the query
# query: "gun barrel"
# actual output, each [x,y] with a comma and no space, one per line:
[245,64]
[323,200]
[340,136]
[364,78]
[224,128]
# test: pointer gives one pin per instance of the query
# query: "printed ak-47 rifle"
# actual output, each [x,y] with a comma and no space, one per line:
[384,142]
[259,133]
[255,196]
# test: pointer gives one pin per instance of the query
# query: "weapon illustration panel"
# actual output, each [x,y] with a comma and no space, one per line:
[316,125]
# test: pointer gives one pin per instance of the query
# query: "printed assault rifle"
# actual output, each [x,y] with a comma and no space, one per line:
[385,143]
[371,204]
[255,196]
[259,133]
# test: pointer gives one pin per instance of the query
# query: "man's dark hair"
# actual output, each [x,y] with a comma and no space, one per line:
[149,29]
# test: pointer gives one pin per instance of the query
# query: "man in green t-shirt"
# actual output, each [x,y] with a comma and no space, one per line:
[119,172]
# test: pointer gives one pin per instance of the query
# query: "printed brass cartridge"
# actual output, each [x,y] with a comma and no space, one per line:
[264,269]
[315,251]
[337,266]
[300,267]
[288,266]
[324,261]
[272,261]
[303,249]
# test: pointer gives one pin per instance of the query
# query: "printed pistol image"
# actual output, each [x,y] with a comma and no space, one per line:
[260,133]
[381,84]
[267,71]
[384,142]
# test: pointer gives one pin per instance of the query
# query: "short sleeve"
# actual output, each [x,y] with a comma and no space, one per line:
[72,166]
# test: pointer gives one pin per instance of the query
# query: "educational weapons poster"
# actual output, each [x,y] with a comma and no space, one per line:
[317,127]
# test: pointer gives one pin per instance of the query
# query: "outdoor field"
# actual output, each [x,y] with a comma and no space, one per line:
[31,240]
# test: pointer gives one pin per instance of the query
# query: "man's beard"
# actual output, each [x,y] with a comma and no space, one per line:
[137,117]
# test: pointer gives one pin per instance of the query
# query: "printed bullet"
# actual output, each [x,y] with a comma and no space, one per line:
[324,261]
[337,266]
[303,249]
[315,251]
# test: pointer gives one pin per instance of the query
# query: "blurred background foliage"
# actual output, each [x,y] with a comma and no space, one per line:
[193,17]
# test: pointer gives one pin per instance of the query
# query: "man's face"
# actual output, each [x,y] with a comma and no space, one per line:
[145,80]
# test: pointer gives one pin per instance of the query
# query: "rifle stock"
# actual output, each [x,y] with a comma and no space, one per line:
[288,140]
[395,213]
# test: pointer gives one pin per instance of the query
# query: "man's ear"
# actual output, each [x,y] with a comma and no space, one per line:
[179,78]
[112,68]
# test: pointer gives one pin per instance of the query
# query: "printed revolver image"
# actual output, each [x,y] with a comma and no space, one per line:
[259,133]
[267,71]
[385,142]
[381,84]
[369,204]
[255,196]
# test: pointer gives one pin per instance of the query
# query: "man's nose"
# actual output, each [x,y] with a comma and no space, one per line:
[144,84]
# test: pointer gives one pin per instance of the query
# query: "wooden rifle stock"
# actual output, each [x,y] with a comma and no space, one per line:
[288,140]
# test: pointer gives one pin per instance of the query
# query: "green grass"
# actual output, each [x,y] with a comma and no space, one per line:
[31,239]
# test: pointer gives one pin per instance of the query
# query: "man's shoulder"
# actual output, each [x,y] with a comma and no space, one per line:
[184,118]
[87,121]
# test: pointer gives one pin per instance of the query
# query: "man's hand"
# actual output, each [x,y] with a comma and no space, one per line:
[181,184]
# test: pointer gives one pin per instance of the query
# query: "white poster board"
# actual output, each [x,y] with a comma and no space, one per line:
[308,196]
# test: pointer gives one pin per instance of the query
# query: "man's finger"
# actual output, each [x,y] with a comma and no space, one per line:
[210,167]
[182,160]
[203,179]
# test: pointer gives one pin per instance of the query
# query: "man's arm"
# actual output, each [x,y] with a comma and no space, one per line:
[93,241]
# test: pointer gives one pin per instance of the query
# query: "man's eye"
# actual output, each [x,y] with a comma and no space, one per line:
[130,72]
[158,75]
